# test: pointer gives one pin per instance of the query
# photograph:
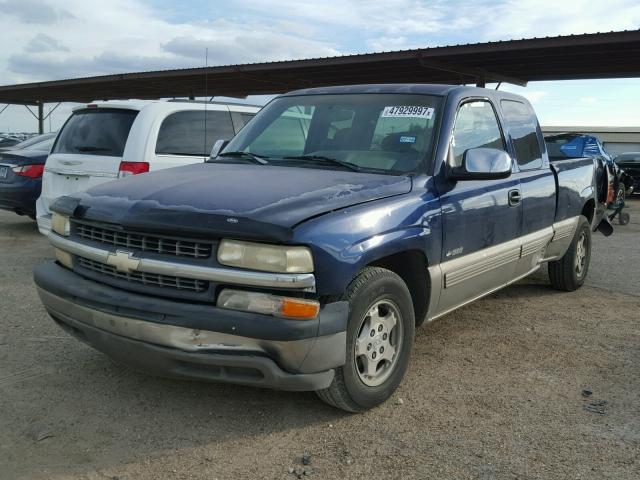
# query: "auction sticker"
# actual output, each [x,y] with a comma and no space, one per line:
[407,111]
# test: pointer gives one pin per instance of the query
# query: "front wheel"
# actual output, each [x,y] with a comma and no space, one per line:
[570,271]
[380,335]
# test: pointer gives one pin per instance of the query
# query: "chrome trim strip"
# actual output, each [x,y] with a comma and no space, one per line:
[536,241]
[563,234]
[78,173]
[479,264]
[92,253]
[489,292]
[565,228]
[550,243]
[304,281]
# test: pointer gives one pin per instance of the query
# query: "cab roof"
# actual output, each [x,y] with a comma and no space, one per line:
[409,88]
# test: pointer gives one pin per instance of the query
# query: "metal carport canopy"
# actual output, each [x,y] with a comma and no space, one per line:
[572,57]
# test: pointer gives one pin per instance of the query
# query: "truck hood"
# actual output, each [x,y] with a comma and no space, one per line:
[223,198]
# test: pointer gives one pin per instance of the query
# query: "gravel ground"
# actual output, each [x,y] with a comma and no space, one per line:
[494,390]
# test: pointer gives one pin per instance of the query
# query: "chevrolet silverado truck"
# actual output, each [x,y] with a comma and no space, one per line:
[304,254]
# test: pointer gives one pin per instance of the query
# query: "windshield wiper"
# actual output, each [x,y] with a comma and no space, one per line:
[250,156]
[327,160]
[89,148]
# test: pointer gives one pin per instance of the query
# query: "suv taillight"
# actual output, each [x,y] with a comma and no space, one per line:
[31,171]
[132,168]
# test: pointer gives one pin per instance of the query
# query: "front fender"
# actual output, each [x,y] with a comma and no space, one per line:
[345,241]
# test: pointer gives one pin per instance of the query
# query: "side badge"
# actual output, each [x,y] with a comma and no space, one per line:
[232,220]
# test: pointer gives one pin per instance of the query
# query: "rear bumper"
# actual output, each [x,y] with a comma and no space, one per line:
[168,338]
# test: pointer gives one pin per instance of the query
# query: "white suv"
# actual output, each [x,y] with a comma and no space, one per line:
[104,141]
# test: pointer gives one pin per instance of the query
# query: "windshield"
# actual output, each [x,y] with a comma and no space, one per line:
[381,133]
[98,131]
[628,158]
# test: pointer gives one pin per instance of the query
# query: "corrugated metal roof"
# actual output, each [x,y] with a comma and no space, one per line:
[592,55]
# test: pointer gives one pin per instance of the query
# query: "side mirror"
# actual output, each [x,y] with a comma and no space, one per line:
[483,164]
[218,146]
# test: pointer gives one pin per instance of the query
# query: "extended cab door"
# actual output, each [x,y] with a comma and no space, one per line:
[537,183]
[482,219]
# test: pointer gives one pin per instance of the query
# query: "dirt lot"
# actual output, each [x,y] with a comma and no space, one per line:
[493,391]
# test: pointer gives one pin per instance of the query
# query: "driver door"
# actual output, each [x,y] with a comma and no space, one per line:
[482,219]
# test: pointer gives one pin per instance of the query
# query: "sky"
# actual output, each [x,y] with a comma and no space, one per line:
[49,40]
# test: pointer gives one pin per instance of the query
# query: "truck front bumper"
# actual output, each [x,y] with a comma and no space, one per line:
[203,342]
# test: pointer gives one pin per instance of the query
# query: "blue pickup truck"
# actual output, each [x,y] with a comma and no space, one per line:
[304,255]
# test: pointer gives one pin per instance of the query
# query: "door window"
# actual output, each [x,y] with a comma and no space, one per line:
[183,133]
[476,126]
[523,127]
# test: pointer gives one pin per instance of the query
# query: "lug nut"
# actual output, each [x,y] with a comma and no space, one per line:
[373,332]
[384,336]
[374,355]
[368,347]
[379,328]
[381,350]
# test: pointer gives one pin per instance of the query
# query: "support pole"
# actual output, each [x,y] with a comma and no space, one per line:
[40,117]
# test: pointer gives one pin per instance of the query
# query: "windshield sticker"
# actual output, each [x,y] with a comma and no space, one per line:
[407,139]
[407,111]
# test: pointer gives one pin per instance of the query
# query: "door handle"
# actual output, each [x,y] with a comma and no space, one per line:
[514,198]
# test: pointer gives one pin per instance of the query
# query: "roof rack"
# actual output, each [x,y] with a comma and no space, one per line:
[238,104]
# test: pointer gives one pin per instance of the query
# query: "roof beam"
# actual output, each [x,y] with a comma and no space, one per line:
[480,74]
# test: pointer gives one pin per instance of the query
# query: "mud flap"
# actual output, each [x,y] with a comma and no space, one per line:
[605,227]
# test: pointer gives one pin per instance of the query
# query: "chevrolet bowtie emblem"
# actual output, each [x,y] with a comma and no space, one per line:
[123,261]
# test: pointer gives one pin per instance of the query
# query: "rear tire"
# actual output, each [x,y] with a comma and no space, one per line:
[570,271]
[380,335]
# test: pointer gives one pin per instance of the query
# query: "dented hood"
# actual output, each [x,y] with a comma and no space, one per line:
[230,196]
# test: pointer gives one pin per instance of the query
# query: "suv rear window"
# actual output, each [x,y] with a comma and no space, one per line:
[99,131]
[182,133]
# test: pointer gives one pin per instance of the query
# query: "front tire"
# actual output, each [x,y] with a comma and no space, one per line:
[570,272]
[380,335]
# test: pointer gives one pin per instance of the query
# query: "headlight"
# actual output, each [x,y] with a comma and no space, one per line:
[60,224]
[267,304]
[268,258]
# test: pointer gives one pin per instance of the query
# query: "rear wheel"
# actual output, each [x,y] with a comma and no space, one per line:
[380,337]
[570,271]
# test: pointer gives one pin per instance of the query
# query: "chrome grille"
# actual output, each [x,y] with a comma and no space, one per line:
[143,241]
[151,279]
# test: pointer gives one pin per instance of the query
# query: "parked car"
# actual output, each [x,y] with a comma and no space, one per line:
[304,255]
[7,143]
[104,141]
[630,163]
[577,145]
[45,137]
[21,177]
